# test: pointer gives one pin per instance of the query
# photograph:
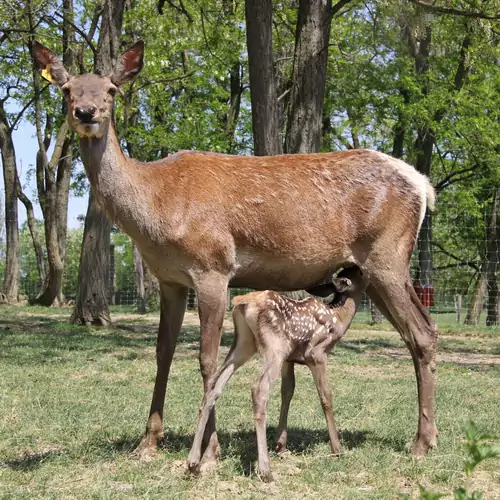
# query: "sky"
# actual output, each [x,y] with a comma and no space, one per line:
[26,146]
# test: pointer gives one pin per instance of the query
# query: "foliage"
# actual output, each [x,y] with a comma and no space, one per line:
[478,449]
[182,99]
[30,283]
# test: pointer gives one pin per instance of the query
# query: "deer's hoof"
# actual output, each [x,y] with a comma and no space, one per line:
[266,475]
[145,452]
[280,448]
[422,444]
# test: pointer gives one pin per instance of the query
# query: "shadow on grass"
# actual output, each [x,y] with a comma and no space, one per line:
[241,444]
[360,346]
[31,461]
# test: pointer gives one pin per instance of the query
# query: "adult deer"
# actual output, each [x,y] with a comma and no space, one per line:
[209,221]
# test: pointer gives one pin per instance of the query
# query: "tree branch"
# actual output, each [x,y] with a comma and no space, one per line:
[454,257]
[338,6]
[454,12]
[447,179]
[179,8]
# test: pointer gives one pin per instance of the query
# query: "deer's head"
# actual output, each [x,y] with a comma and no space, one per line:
[89,97]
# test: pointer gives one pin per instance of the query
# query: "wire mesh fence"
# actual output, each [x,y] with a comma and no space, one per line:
[453,268]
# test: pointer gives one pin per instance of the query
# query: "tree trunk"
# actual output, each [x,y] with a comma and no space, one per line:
[307,91]
[112,272]
[139,280]
[152,289]
[377,316]
[12,258]
[53,178]
[236,89]
[265,120]
[424,144]
[35,235]
[54,202]
[91,303]
[475,306]
[492,262]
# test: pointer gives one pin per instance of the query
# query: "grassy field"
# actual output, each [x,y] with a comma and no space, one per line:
[74,401]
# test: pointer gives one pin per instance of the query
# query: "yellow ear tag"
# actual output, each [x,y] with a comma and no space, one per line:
[46,73]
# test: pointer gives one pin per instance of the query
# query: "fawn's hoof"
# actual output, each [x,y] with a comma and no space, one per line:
[193,467]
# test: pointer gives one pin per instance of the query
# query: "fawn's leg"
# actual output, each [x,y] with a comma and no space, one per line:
[260,398]
[242,349]
[318,371]
[287,389]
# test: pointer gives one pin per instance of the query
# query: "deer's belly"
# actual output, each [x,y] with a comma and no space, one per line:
[263,272]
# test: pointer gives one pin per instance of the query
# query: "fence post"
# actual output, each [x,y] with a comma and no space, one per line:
[459,308]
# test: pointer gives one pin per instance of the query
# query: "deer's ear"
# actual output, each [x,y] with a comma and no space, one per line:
[50,66]
[129,64]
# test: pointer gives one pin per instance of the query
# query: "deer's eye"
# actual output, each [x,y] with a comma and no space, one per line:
[65,91]
[112,91]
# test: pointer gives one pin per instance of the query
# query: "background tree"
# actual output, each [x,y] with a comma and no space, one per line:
[91,304]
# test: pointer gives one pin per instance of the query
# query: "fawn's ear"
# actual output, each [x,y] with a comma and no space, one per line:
[129,64]
[49,65]
[338,285]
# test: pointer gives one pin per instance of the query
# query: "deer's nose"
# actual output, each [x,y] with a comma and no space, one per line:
[85,113]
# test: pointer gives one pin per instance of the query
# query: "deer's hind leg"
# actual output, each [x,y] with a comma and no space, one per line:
[393,293]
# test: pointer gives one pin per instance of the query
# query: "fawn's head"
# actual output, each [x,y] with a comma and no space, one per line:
[89,97]
[350,282]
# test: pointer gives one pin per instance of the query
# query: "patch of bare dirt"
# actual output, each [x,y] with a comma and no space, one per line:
[459,358]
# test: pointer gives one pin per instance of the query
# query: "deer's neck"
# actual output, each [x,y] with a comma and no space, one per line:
[115,181]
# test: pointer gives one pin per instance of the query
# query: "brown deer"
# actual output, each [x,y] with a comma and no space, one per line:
[284,331]
[209,221]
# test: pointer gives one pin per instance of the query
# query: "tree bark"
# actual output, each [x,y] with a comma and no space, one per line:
[139,280]
[265,118]
[307,91]
[91,304]
[53,194]
[112,271]
[12,257]
[475,306]
[426,137]
[492,258]
[53,177]
[35,235]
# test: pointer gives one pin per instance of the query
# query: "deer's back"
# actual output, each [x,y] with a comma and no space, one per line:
[280,222]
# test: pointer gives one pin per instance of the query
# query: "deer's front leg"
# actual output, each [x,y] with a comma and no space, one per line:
[212,297]
[173,306]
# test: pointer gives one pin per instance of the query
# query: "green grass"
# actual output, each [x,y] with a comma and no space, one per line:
[74,401]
